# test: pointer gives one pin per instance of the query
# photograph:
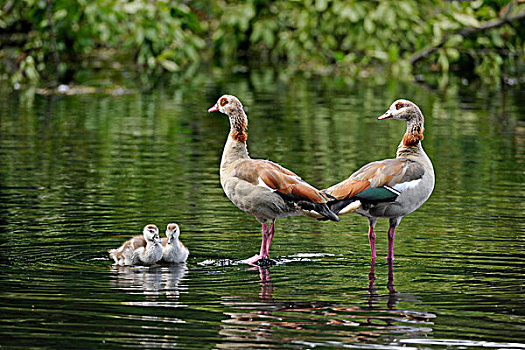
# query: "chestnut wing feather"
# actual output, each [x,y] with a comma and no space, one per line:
[347,188]
[387,172]
[279,179]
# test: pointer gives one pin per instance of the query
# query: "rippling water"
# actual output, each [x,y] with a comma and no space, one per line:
[80,174]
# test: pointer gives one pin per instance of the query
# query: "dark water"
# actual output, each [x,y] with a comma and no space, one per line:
[80,174]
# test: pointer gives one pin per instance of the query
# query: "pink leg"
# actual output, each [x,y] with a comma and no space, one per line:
[391,236]
[264,247]
[264,243]
[269,239]
[372,240]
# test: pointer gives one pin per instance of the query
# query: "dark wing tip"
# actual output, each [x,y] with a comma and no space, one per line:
[327,213]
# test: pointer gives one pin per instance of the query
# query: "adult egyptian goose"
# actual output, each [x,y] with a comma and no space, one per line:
[390,188]
[173,251]
[262,188]
[139,250]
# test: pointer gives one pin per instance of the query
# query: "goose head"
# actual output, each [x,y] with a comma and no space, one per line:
[226,104]
[403,110]
[172,232]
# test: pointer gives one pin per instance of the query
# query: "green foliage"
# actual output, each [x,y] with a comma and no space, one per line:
[162,33]
[156,34]
[357,36]
[352,37]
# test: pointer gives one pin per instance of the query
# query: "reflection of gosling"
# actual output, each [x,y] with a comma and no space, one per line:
[173,249]
[140,250]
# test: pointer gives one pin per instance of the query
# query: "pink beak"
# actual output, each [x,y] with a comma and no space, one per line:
[214,108]
[387,115]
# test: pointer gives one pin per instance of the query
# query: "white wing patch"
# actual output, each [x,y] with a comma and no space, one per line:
[350,207]
[406,185]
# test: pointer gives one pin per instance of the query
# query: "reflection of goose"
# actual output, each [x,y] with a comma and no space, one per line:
[266,283]
[172,277]
[357,318]
[152,286]
[138,280]
[173,251]
[151,281]
[372,290]
[259,187]
[140,250]
[402,319]
[390,188]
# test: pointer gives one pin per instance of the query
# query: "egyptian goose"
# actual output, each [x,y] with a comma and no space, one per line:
[262,188]
[173,251]
[390,188]
[139,250]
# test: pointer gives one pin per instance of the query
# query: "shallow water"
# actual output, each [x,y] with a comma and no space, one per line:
[80,174]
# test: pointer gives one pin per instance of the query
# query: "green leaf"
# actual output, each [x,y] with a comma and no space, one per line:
[169,65]
[497,40]
[354,12]
[467,20]
[453,54]
[60,14]
[454,40]
[443,61]
[321,5]
[380,55]
[132,7]
[268,37]
[393,53]
[476,4]
[369,25]
[151,62]
[406,7]
[339,56]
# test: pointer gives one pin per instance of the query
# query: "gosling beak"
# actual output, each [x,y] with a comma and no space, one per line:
[170,239]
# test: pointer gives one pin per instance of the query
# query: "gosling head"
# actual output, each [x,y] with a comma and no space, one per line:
[172,232]
[151,233]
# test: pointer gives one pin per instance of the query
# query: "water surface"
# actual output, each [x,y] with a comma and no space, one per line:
[80,174]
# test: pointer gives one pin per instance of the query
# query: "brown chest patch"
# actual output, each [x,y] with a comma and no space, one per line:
[239,136]
[411,139]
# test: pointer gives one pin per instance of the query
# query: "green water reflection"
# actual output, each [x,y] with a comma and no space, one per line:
[79,174]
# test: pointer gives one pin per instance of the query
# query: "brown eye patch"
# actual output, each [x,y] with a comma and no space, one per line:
[399,105]
[224,102]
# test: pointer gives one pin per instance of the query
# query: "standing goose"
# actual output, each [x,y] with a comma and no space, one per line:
[173,251]
[139,250]
[262,188]
[390,188]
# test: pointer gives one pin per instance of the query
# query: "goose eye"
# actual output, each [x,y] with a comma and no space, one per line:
[399,105]
[224,102]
